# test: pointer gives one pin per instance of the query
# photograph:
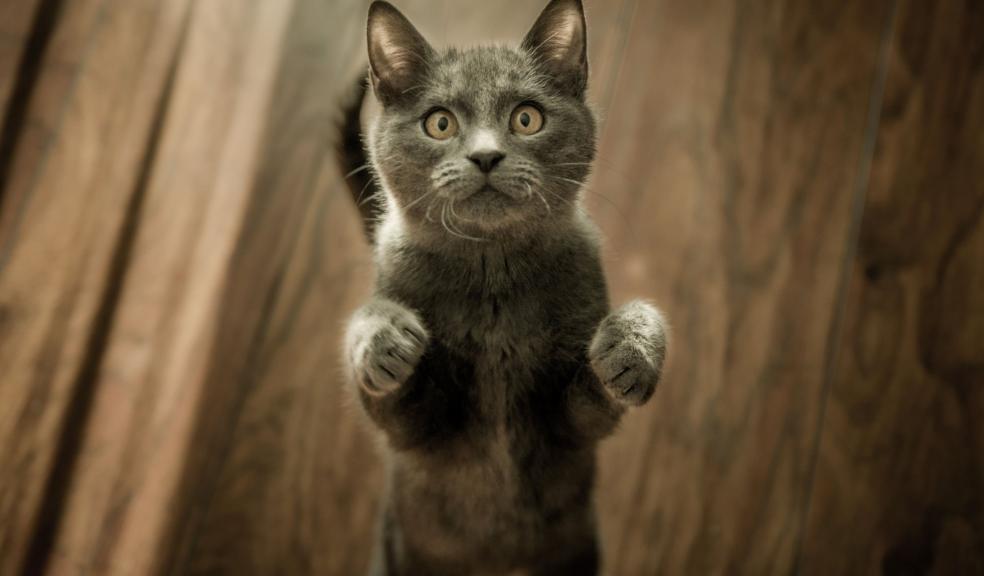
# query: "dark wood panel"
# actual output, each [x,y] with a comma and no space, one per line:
[67,196]
[16,24]
[731,151]
[900,477]
[25,28]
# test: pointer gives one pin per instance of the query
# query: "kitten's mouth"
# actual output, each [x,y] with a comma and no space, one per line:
[485,190]
[485,201]
[484,193]
[488,189]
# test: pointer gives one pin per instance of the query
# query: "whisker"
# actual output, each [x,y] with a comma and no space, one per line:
[558,196]
[356,171]
[362,192]
[412,204]
[613,204]
[609,201]
[452,223]
[597,165]
[444,222]
[538,193]
[572,181]
[367,199]
[453,213]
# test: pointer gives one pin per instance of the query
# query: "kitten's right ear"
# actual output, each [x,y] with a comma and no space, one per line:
[558,41]
[398,54]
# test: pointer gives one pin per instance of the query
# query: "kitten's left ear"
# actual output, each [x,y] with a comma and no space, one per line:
[398,54]
[558,41]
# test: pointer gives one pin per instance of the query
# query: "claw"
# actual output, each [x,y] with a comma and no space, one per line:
[388,373]
[622,373]
[395,353]
[413,334]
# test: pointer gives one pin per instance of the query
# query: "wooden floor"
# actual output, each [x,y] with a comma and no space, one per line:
[799,184]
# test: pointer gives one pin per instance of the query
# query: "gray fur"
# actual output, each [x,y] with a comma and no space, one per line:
[487,355]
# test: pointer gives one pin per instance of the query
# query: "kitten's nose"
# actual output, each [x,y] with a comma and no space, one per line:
[486,159]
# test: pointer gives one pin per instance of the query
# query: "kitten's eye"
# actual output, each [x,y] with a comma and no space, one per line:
[526,120]
[441,125]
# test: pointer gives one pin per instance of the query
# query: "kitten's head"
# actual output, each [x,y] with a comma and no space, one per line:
[487,142]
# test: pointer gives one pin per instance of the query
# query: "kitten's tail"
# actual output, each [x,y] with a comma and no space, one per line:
[351,155]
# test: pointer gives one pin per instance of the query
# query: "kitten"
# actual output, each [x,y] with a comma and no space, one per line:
[487,355]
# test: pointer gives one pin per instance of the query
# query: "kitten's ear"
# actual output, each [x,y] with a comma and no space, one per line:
[398,54]
[558,41]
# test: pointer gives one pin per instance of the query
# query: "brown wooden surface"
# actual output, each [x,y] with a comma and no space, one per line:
[17,20]
[734,160]
[797,183]
[899,485]
[154,378]
[71,180]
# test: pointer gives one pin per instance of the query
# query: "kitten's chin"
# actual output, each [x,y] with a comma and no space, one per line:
[491,210]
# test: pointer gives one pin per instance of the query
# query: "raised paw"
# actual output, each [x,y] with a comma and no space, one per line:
[385,341]
[628,350]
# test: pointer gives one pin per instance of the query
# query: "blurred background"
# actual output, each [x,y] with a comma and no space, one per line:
[800,184]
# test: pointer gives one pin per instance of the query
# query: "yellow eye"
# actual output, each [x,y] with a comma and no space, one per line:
[441,125]
[526,120]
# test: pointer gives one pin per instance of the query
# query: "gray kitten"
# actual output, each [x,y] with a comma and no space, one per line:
[488,356]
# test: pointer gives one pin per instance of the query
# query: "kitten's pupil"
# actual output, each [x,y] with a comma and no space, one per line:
[524,119]
[442,123]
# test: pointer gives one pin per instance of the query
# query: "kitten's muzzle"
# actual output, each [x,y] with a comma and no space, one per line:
[486,160]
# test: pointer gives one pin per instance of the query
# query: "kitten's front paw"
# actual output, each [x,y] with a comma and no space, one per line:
[385,341]
[628,350]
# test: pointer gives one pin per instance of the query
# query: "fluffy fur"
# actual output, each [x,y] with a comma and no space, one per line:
[487,355]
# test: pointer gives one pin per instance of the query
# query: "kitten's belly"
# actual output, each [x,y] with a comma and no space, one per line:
[502,487]
[488,503]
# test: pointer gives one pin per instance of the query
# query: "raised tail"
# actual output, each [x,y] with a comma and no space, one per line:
[350,152]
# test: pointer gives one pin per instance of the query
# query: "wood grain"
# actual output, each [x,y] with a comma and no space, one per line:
[126,491]
[731,152]
[17,22]
[64,207]
[797,183]
[265,467]
[900,476]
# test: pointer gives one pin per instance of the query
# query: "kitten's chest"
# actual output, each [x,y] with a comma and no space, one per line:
[506,337]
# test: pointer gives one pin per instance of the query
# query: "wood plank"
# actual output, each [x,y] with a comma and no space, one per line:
[299,457]
[17,20]
[900,475]
[731,151]
[70,183]
[120,514]
[263,469]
